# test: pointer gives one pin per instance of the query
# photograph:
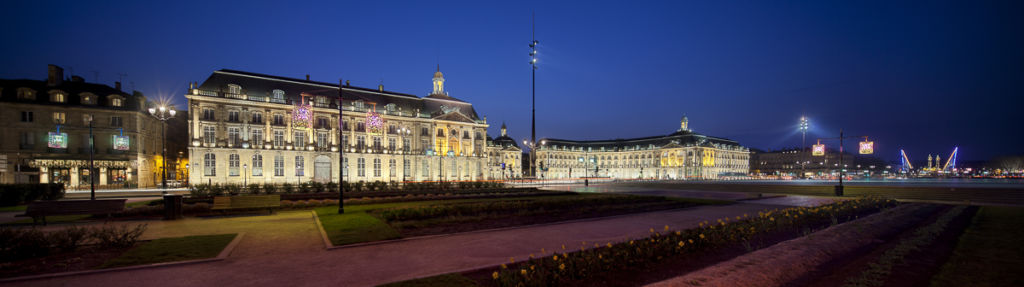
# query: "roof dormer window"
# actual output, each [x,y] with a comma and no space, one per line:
[277,96]
[234,89]
[26,94]
[57,96]
[88,98]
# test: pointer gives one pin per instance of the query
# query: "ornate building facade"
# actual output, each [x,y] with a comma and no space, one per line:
[683,154]
[505,157]
[254,128]
[46,139]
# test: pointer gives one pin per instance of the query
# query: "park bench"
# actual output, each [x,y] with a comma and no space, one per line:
[225,203]
[40,209]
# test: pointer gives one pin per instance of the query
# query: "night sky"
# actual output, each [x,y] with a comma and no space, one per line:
[925,76]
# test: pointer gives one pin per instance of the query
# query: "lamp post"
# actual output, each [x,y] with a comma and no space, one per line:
[92,150]
[533,92]
[245,173]
[163,113]
[341,150]
[404,132]
[804,125]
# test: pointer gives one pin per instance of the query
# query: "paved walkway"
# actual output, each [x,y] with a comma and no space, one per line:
[285,250]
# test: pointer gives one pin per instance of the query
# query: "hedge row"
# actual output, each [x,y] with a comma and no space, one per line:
[22,193]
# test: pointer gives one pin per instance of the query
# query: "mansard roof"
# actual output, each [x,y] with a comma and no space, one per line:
[678,138]
[262,85]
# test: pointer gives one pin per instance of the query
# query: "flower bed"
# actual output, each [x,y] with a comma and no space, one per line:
[569,268]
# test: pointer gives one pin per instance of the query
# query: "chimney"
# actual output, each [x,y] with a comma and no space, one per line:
[117,85]
[380,88]
[346,83]
[307,77]
[56,75]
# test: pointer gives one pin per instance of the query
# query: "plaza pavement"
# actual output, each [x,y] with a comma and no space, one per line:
[285,249]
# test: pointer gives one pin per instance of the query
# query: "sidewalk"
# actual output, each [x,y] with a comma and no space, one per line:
[285,250]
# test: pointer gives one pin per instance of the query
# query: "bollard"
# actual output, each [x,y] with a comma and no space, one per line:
[839,190]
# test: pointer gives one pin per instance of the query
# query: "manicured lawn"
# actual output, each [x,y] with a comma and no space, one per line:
[449,280]
[989,253]
[172,249]
[138,203]
[363,223]
[13,208]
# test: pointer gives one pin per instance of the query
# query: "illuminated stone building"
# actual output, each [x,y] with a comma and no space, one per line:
[254,128]
[504,157]
[33,110]
[683,154]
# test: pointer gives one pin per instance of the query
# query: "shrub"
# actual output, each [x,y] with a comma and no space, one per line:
[216,190]
[68,239]
[254,188]
[304,187]
[317,187]
[392,185]
[23,243]
[15,194]
[331,186]
[358,186]
[233,189]
[346,186]
[118,236]
[199,190]
[269,188]
[287,188]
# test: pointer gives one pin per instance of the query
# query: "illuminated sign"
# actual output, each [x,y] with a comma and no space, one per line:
[302,117]
[58,140]
[818,150]
[867,147]
[121,142]
[374,123]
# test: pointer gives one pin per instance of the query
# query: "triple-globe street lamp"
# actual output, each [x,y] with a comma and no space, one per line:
[163,113]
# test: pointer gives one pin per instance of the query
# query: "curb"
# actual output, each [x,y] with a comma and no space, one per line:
[323,233]
[223,255]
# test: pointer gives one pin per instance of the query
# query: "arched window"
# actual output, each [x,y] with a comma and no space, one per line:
[210,165]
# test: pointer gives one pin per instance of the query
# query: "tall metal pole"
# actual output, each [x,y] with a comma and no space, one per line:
[163,153]
[92,169]
[533,92]
[341,150]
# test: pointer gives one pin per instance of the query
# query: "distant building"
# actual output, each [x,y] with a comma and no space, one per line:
[504,157]
[46,137]
[254,128]
[794,162]
[683,154]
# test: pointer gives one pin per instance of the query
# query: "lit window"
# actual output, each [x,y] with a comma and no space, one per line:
[59,117]
[117,102]
[234,89]
[257,165]
[57,97]
[210,165]
[233,165]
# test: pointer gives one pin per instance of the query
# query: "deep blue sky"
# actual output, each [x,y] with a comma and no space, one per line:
[921,75]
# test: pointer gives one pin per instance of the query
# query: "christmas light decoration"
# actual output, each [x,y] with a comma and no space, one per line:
[818,149]
[58,140]
[867,147]
[120,142]
[374,123]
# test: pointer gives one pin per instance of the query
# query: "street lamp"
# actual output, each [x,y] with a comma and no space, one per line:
[245,180]
[92,150]
[404,132]
[804,125]
[163,113]
[533,92]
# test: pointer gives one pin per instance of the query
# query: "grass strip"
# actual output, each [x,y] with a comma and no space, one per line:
[989,252]
[56,219]
[172,249]
[877,272]
[13,208]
